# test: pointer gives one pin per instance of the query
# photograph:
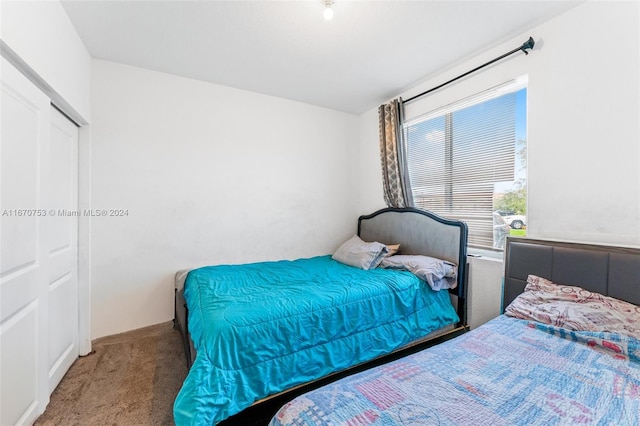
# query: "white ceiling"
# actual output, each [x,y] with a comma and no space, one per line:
[370,52]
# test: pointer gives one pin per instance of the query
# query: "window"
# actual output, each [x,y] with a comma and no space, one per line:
[467,161]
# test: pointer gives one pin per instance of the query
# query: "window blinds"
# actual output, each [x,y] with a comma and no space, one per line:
[457,154]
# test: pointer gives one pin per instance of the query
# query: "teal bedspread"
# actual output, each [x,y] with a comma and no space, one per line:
[262,328]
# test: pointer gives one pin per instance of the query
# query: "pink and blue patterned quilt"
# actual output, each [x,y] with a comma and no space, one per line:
[507,372]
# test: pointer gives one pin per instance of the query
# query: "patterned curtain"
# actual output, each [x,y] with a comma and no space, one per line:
[395,176]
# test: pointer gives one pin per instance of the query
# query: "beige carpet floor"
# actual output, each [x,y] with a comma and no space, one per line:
[131,379]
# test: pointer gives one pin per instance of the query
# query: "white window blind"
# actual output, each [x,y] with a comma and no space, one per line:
[459,154]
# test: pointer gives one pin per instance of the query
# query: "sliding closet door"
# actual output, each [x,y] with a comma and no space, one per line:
[62,241]
[24,257]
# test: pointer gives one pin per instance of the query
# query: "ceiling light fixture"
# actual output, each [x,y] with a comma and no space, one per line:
[328,11]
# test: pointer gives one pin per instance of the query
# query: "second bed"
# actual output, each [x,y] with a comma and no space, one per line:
[566,352]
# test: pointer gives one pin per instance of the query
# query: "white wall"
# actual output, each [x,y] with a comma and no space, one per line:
[209,175]
[583,123]
[41,33]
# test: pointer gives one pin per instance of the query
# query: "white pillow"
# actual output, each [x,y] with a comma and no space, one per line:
[361,254]
[437,273]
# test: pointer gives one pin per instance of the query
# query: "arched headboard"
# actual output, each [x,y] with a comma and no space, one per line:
[419,232]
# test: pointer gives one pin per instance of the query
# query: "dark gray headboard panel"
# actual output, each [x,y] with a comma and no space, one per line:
[609,270]
[418,232]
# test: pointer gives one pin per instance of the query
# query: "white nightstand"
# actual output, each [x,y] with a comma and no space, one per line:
[484,290]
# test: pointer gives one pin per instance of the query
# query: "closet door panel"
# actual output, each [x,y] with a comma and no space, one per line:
[24,152]
[63,247]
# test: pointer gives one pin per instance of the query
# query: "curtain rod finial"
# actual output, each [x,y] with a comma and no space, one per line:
[527,45]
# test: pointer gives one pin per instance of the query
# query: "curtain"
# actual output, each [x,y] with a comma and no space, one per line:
[395,175]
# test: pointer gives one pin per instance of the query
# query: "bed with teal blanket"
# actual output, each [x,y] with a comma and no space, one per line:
[260,329]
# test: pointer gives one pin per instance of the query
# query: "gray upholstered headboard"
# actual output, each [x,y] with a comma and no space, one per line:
[419,232]
[609,270]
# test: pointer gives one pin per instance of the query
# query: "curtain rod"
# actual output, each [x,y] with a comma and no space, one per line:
[526,45]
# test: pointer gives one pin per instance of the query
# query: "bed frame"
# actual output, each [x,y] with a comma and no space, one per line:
[418,232]
[609,270]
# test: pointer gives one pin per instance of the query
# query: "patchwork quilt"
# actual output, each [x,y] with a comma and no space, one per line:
[507,372]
